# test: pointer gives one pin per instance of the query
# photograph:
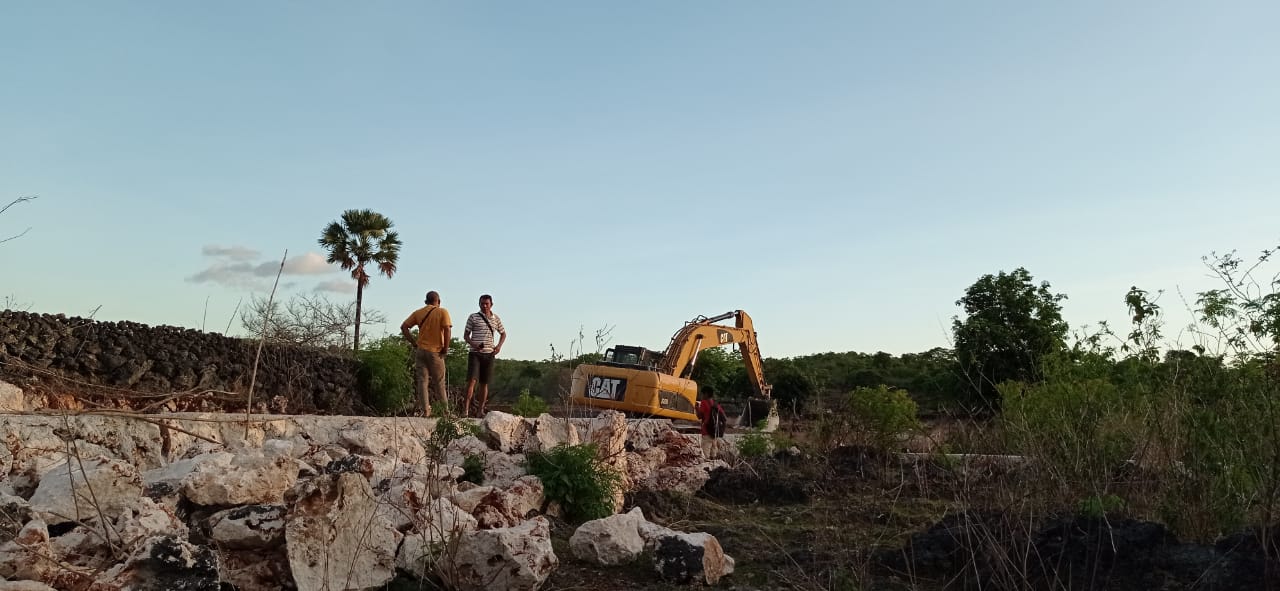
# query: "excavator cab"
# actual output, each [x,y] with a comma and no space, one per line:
[631,356]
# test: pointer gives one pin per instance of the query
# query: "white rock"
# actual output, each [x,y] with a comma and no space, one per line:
[690,557]
[548,432]
[610,541]
[11,399]
[20,557]
[15,511]
[105,486]
[508,432]
[498,509]
[467,500]
[24,586]
[457,451]
[443,522]
[249,527]
[608,431]
[528,494]
[163,562]
[334,538]
[643,433]
[147,519]
[502,470]
[517,558]
[174,473]
[250,479]
[383,439]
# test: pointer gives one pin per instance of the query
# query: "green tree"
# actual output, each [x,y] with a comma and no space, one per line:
[361,237]
[1011,325]
[717,372]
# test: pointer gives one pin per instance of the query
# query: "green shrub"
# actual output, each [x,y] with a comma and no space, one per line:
[883,414]
[754,445]
[473,468]
[528,405]
[385,374]
[1100,505]
[1079,432]
[448,429]
[573,476]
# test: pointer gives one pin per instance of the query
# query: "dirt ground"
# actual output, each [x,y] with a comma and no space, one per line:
[856,520]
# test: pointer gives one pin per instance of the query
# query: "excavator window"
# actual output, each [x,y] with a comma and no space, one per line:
[631,356]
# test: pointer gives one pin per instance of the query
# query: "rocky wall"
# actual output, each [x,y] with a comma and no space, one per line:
[69,353]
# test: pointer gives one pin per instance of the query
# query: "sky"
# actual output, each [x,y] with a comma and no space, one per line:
[841,170]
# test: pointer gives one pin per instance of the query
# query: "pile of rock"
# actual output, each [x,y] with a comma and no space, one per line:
[104,503]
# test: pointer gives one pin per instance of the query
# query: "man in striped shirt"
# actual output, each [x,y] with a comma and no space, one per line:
[478,335]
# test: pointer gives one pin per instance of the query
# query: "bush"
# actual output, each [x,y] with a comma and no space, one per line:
[572,476]
[884,414]
[754,445]
[385,374]
[473,468]
[449,429]
[528,405]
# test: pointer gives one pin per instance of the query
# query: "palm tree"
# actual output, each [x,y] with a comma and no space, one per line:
[362,237]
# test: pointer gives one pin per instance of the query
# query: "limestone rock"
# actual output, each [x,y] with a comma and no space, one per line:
[383,439]
[502,470]
[146,519]
[11,399]
[548,432]
[516,558]
[608,431]
[610,541]
[498,509]
[248,527]
[20,558]
[24,586]
[642,434]
[468,500]
[249,478]
[457,451]
[335,540]
[528,494]
[70,494]
[443,523]
[164,563]
[508,432]
[15,512]
[691,557]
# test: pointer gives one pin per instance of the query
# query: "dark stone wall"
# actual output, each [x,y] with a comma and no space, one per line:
[168,359]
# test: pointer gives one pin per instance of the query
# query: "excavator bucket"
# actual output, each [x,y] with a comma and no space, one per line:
[761,413]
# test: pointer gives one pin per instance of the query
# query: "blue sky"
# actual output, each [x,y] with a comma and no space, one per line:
[840,170]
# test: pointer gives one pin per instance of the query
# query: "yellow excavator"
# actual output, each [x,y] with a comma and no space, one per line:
[645,383]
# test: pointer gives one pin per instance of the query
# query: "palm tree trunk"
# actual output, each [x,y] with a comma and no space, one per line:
[359,300]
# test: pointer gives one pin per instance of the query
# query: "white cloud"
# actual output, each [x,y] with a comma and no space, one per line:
[308,264]
[344,286]
[311,263]
[234,267]
[235,253]
[229,274]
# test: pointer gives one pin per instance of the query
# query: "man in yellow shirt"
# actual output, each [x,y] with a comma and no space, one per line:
[435,331]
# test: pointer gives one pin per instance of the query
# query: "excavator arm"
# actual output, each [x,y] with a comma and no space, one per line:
[702,333]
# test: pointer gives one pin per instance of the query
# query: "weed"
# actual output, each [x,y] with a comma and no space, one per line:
[883,414]
[754,445]
[573,476]
[528,405]
[385,374]
[473,468]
